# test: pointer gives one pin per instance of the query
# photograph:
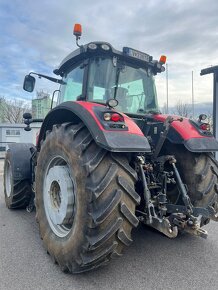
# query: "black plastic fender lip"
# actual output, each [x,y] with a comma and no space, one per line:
[21,158]
[117,139]
[121,142]
[207,144]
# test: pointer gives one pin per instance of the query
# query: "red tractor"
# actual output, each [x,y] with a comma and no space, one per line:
[107,159]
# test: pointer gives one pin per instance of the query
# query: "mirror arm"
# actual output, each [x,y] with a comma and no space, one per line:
[48,78]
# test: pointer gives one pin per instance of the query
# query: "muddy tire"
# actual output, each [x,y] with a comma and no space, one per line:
[85,199]
[199,171]
[17,192]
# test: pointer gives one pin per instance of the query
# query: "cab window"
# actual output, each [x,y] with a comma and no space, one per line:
[101,78]
[71,90]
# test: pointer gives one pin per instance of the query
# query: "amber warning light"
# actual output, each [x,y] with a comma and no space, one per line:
[163,59]
[77,31]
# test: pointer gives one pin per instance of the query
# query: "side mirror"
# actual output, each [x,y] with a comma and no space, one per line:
[29,83]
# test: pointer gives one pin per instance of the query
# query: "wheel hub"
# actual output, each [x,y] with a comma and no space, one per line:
[55,194]
[59,199]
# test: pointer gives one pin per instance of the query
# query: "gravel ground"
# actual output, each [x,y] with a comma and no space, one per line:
[152,261]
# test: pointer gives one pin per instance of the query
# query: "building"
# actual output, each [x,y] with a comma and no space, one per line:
[41,105]
[15,133]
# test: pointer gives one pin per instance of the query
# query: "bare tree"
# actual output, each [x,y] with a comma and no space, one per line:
[182,109]
[11,111]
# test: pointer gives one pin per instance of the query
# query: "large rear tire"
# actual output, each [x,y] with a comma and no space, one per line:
[85,199]
[199,171]
[17,192]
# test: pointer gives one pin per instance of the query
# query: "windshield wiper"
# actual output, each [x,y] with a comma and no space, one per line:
[117,81]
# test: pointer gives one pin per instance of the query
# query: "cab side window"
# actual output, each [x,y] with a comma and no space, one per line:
[72,87]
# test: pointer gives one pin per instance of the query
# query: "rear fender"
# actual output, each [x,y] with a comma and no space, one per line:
[130,139]
[187,134]
[21,160]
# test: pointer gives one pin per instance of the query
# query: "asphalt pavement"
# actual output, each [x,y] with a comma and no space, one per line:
[153,261]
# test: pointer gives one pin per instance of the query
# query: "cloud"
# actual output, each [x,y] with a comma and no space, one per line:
[37,35]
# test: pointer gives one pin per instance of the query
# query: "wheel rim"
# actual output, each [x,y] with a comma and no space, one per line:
[59,196]
[8,178]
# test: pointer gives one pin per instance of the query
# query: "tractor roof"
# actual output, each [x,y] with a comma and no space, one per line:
[102,49]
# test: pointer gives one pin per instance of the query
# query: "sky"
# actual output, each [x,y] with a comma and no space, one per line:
[37,35]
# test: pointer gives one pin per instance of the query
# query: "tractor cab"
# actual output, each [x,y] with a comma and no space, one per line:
[101,73]
[96,72]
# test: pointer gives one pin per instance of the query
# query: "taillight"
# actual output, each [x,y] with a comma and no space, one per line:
[114,117]
[205,127]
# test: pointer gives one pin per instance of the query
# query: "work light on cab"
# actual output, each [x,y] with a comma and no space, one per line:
[92,46]
[105,46]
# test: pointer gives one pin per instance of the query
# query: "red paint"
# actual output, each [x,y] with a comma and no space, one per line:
[184,128]
[132,127]
[89,107]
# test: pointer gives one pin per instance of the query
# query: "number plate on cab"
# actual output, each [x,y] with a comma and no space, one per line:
[136,54]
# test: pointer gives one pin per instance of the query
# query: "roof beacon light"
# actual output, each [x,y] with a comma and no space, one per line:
[77,31]
[163,59]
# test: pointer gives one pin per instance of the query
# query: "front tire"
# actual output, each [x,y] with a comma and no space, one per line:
[85,199]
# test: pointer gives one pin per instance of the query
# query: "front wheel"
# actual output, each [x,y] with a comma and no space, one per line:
[85,199]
